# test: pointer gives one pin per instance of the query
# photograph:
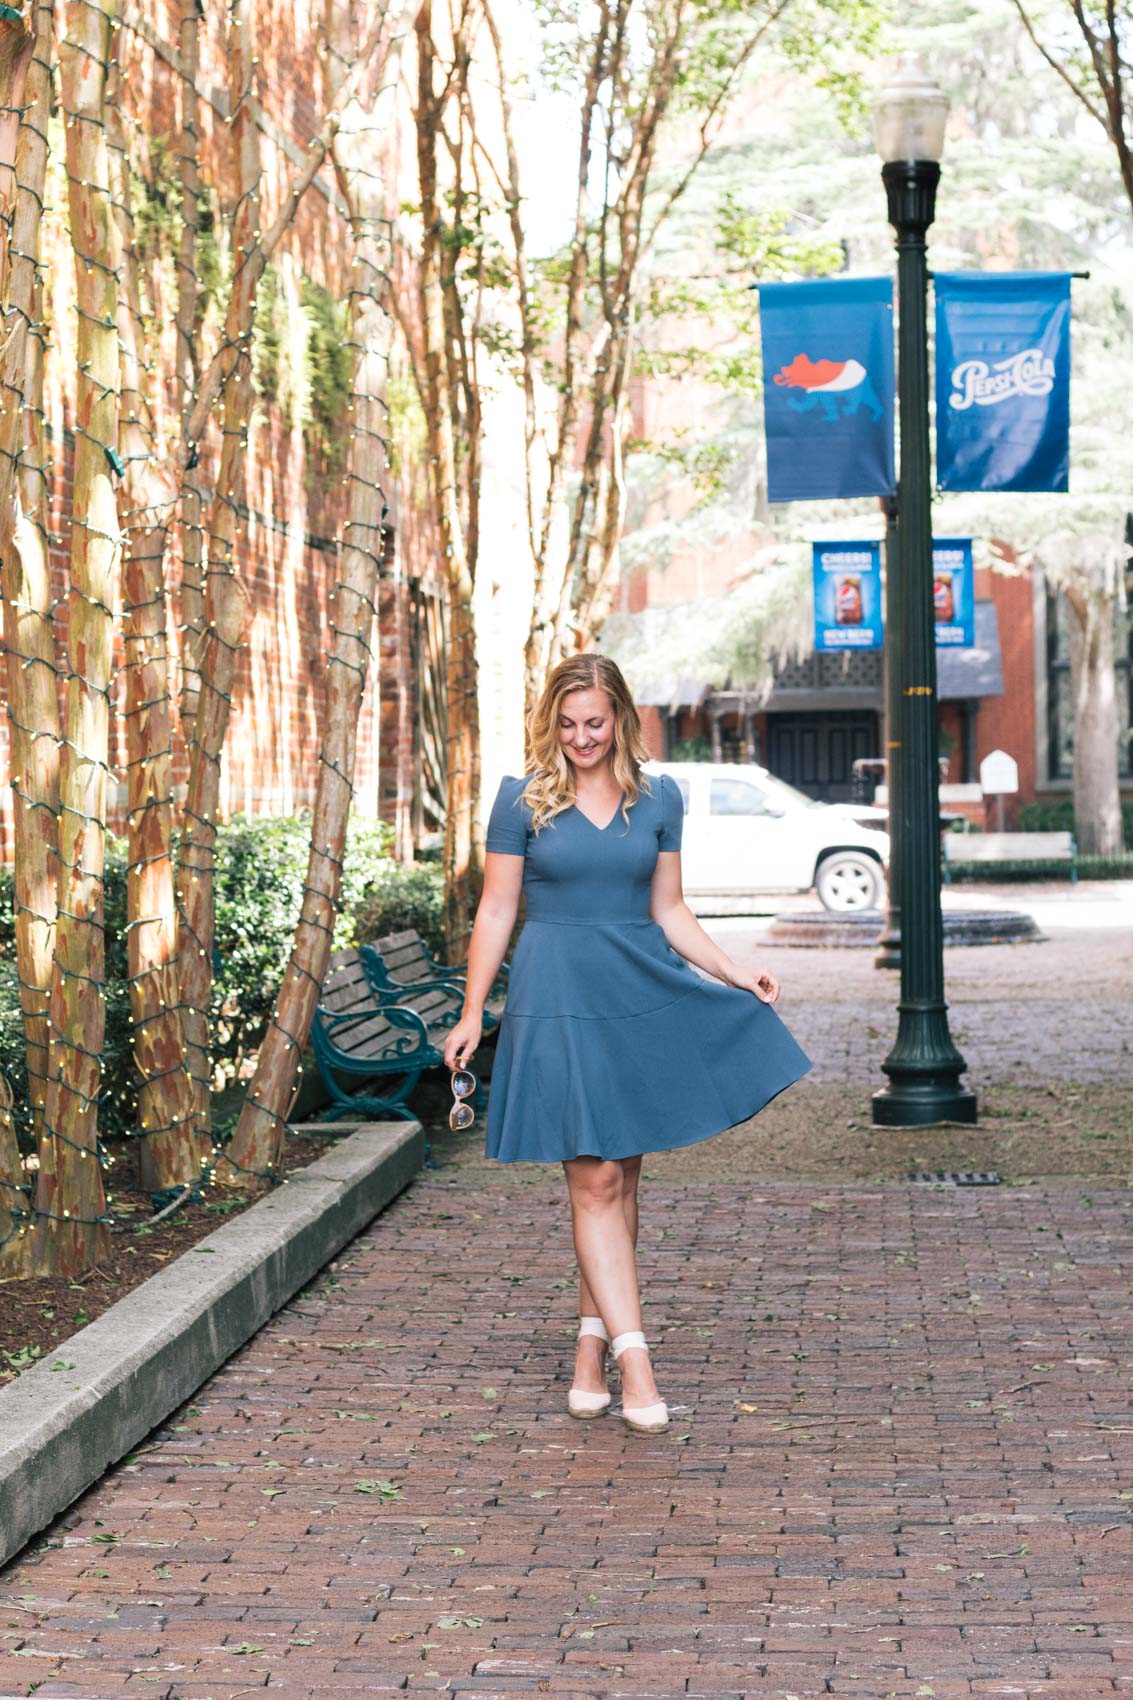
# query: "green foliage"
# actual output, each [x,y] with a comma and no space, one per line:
[315,388]
[691,749]
[1012,873]
[404,895]
[269,333]
[155,194]
[155,199]
[1058,816]
[406,422]
[705,465]
[329,375]
[261,868]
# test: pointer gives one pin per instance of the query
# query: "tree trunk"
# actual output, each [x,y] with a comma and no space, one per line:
[1091,601]
[17,45]
[256,1146]
[29,634]
[71,1232]
[192,598]
[172,1151]
[439,401]
[226,603]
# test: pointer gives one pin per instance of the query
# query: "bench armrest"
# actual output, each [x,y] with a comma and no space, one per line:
[397,1016]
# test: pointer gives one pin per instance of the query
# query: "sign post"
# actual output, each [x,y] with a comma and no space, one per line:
[999,778]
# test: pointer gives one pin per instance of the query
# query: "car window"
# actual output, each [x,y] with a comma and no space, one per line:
[736,797]
[797,796]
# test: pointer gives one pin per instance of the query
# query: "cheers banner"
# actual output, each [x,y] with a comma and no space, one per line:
[847,596]
[953,593]
[1002,380]
[848,604]
[828,387]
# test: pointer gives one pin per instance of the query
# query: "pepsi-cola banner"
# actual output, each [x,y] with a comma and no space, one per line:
[953,592]
[828,387]
[847,596]
[1002,380]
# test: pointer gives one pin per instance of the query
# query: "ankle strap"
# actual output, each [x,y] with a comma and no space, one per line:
[593,1325]
[625,1342]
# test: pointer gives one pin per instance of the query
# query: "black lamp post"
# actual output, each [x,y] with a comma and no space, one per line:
[924,1066]
[888,953]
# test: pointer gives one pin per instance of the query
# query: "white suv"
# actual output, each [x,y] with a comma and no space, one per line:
[746,831]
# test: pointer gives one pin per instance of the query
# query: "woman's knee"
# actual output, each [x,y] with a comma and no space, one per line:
[596,1184]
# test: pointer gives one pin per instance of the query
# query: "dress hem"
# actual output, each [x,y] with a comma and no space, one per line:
[696,1138]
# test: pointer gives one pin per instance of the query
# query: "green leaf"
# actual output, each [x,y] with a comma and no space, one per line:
[387,1490]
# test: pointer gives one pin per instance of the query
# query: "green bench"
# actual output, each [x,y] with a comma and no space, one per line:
[362,1035]
[359,1037]
[1021,850]
[402,962]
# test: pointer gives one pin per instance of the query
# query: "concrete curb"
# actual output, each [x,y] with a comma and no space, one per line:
[61,1428]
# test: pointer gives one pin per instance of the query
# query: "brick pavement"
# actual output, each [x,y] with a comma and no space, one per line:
[901,1465]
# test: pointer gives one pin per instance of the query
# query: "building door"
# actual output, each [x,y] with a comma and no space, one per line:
[815,752]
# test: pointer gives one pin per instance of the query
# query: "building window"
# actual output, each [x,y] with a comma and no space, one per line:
[1060,701]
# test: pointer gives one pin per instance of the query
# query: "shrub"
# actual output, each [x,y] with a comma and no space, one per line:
[691,749]
[1057,815]
[261,867]
[404,895]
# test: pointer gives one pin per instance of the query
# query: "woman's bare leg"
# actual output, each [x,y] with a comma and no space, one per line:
[590,1358]
[604,1246]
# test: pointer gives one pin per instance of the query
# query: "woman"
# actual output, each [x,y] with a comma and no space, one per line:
[610,1045]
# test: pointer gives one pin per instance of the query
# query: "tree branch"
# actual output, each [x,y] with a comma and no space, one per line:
[1075,87]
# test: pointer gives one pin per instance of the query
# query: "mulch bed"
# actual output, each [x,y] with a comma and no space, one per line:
[38,1313]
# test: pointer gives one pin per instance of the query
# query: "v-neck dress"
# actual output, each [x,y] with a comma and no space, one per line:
[611,1044]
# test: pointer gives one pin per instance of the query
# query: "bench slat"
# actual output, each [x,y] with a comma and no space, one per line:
[1008,846]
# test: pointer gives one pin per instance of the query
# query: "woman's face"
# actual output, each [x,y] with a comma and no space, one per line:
[586,728]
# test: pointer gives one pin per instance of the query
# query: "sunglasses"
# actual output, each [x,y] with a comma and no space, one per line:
[463,1084]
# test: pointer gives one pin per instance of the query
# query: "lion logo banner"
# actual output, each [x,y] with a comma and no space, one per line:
[828,387]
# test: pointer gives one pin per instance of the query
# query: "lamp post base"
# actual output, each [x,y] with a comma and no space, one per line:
[912,1104]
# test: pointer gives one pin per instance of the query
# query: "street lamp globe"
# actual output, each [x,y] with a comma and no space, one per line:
[909,114]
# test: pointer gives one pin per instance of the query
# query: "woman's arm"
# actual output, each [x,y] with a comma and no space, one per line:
[686,935]
[495,919]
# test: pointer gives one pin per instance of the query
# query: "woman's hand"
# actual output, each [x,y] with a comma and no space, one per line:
[765,986]
[462,1041]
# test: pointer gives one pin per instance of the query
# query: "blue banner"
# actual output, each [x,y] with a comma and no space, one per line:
[847,596]
[1003,380]
[828,387]
[953,593]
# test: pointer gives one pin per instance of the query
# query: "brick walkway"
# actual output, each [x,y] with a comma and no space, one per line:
[901,1465]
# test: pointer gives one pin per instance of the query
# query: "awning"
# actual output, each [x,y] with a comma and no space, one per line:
[975,672]
[960,674]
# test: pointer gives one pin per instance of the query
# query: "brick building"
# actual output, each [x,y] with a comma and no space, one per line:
[1010,692]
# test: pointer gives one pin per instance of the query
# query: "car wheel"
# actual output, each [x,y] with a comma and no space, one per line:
[847,882]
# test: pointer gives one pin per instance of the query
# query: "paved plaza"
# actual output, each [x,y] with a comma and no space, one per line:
[901,1462]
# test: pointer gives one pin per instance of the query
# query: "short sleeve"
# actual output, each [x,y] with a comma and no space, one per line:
[672,814]
[507,824]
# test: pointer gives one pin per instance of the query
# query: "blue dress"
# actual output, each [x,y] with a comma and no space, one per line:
[611,1044]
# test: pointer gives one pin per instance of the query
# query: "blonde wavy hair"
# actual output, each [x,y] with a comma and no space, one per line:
[550,788]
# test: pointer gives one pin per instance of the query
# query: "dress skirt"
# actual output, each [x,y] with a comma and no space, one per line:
[612,1045]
